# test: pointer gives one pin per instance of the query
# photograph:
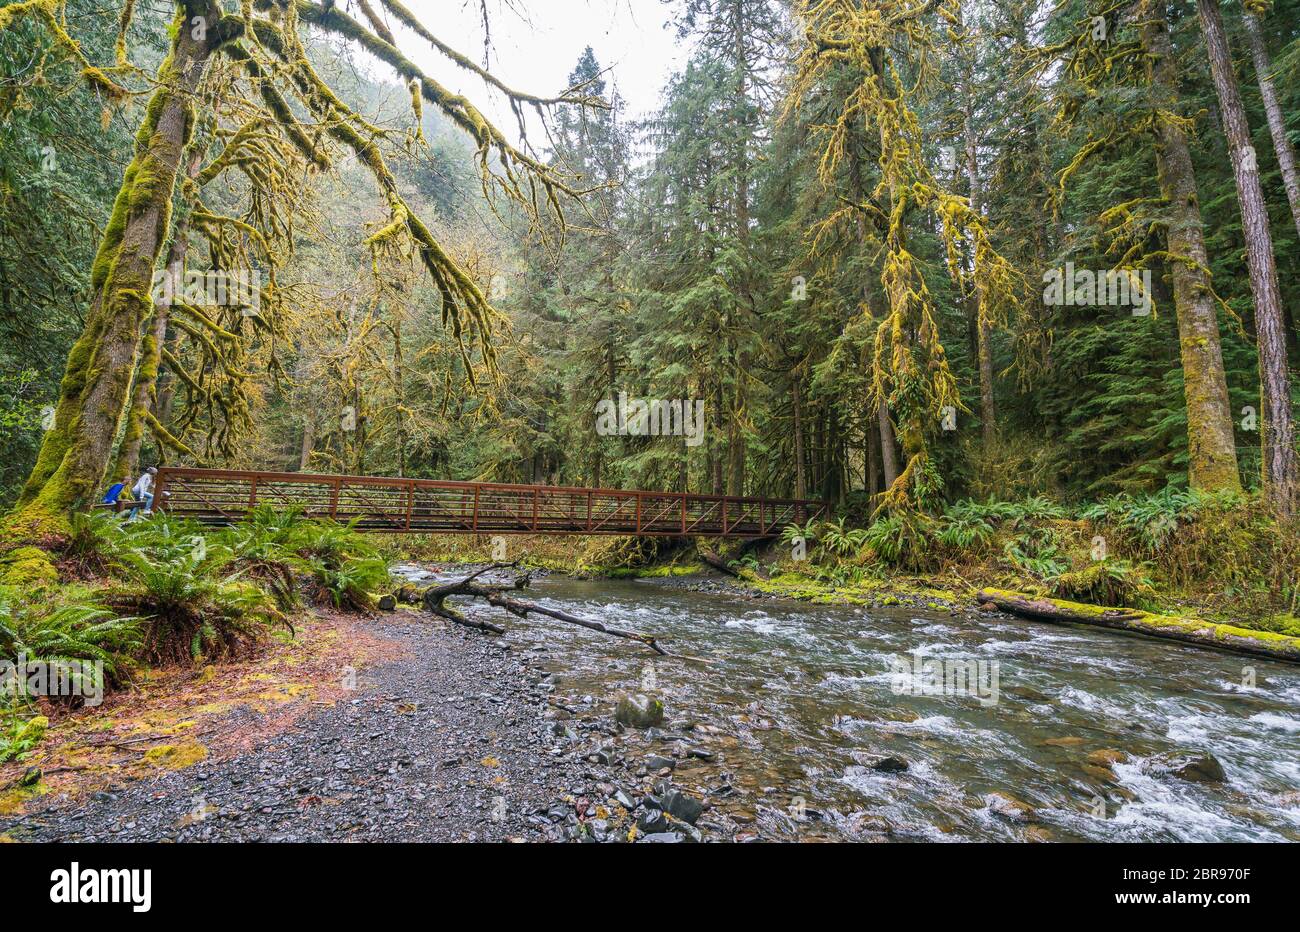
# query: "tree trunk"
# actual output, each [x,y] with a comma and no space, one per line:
[800,479]
[983,332]
[145,390]
[1212,454]
[1186,630]
[308,441]
[94,393]
[716,453]
[399,392]
[873,459]
[1286,158]
[888,453]
[1278,434]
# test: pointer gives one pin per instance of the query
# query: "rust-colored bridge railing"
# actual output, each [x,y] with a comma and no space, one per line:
[221,496]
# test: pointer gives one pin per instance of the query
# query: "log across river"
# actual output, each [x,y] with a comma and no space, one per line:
[823,721]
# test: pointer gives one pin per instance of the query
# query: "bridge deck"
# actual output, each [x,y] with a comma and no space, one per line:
[221,496]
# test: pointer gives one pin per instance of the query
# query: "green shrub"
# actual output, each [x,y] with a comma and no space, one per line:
[902,540]
[78,630]
[836,540]
[1105,582]
[191,608]
[1037,553]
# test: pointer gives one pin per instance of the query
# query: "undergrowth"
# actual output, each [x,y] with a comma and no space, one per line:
[1225,555]
[170,591]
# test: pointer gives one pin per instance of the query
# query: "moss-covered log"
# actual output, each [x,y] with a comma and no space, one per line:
[1187,630]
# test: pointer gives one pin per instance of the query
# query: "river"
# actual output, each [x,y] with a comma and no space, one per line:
[799,702]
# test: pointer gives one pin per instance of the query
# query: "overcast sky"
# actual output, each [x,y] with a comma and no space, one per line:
[536,43]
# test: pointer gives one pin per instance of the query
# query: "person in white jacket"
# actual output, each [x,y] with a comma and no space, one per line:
[142,492]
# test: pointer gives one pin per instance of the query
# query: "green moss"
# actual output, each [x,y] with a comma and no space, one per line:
[28,569]
[176,756]
[662,571]
[1236,637]
[13,801]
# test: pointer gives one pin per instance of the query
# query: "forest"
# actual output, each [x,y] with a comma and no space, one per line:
[1011,285]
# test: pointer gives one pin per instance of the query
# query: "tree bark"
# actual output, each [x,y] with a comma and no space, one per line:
[145,390]
[800,479]
[983,332]
[888,452]
[1212,454]
[93,396]
[1286,157]
[308,441]
[1278,434]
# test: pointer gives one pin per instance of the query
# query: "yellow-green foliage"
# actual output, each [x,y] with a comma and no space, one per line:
[1103,582]
[29,569]
[21,735]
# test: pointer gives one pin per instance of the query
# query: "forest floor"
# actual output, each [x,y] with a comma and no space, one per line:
[397,727]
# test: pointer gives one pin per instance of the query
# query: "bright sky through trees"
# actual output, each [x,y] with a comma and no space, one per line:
[535,47]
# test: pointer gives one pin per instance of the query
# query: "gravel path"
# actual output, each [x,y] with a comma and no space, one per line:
[455,741]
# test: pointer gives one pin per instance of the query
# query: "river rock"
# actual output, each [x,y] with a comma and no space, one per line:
[1070,741]
[1193,766]
[676,804]
[650,821]
[1010,808]
[889,765]
[639,711]
[1107,757]
[663,838]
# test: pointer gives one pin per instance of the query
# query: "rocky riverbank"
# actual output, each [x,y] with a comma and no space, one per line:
[447,735]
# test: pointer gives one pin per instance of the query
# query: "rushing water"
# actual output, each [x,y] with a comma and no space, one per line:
[798,700]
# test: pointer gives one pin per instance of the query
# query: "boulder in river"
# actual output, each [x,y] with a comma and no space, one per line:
[1193,766]
[889,765]
[1107,757]
[639,711]
[1010,808]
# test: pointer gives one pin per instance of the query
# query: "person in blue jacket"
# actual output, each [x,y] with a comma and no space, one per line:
[114,493]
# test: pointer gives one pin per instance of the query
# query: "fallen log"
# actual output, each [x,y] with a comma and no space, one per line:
[715,561]
[434,600]
[1169,627]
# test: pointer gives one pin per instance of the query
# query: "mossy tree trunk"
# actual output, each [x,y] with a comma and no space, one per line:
[1281,472]
[93,396]
[145,391]
[1212,454]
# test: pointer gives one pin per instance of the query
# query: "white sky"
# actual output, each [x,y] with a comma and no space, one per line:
[536,43]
